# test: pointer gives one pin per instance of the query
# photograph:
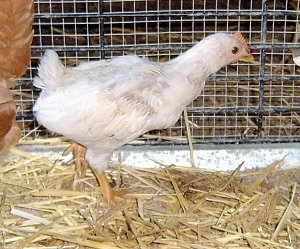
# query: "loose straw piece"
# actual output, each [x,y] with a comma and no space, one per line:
[189,136]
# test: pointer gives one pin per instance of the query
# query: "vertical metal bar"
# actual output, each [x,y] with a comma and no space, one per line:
[102,33]
[262,69]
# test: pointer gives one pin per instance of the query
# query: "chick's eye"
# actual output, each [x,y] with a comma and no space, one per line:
[234,50]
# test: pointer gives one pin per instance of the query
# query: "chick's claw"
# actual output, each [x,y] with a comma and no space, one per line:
[78,151]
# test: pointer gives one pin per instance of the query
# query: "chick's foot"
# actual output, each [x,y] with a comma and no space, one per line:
[78,152]
[111,196]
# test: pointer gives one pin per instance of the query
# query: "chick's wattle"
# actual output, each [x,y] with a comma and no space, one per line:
[105,104]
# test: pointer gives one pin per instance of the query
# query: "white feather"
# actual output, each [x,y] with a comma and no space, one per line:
[297,60]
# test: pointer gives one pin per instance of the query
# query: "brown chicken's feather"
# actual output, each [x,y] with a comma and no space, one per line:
[5,95]
[7,111]
[11,138]
[9,130]
[16,17]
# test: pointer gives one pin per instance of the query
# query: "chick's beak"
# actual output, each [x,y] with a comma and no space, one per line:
[247,57]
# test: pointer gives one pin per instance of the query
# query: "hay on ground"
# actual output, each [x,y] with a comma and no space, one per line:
[45,205]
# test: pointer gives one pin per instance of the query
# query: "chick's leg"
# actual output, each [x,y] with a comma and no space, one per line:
[78,152]
[108,193]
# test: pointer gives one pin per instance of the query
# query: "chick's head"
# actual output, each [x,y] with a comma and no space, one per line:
[235,48]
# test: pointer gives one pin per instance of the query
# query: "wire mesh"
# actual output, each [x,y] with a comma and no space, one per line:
[240,104]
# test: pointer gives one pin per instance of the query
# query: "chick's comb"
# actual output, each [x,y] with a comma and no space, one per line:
[241,39]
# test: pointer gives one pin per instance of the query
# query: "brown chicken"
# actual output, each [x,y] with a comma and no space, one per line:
[105,104]
[16,17]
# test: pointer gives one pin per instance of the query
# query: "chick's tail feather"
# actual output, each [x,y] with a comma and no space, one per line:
[49,72]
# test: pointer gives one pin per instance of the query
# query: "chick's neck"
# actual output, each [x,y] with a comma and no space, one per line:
[199,62]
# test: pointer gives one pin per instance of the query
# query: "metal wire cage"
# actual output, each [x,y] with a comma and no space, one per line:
[242,103]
